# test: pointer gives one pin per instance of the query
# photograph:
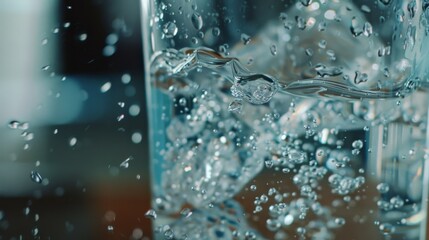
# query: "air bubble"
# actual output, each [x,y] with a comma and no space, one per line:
[383,187]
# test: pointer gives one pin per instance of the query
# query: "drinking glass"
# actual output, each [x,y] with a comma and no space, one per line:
[287,119]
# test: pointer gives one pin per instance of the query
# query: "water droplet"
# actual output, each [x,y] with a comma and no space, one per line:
[300,22]
[367,29]
[28,136]
[194,40]
[126,78]
[14,124]
[322,43]
[216,31]
[72,141]
[273,49]
[322,26]
[83,37]
[412,8]
[197,21]
[121,104]
[383,187]
[355,27]
[323,70]
[36,177]
[134,110]
[136,137]
[386,228]
[126,162]
[358,144]
[112,39]
[306,2]
[365,8]
[360,77]
[340,221]
[151,214]
[105,87]
[120,117]
[170,30]
[35,231]
[182,102]
[236,106]
[46,67]
[137,233]
[309,52]
[397,202]
[245,38]
[109,50]
[186,212]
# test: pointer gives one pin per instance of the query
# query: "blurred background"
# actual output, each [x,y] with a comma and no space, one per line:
[73,144]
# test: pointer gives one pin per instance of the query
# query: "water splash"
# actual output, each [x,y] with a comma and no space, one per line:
[259,88]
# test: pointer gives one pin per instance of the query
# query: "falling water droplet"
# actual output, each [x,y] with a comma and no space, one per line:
[46,67]
[126,162]
[120,117]
[105,87]
[197,21]
[72,141]
[121,104]
[151,214]
[83,37]
[36,177]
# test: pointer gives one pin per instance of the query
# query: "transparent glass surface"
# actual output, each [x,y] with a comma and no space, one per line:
[287,119]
